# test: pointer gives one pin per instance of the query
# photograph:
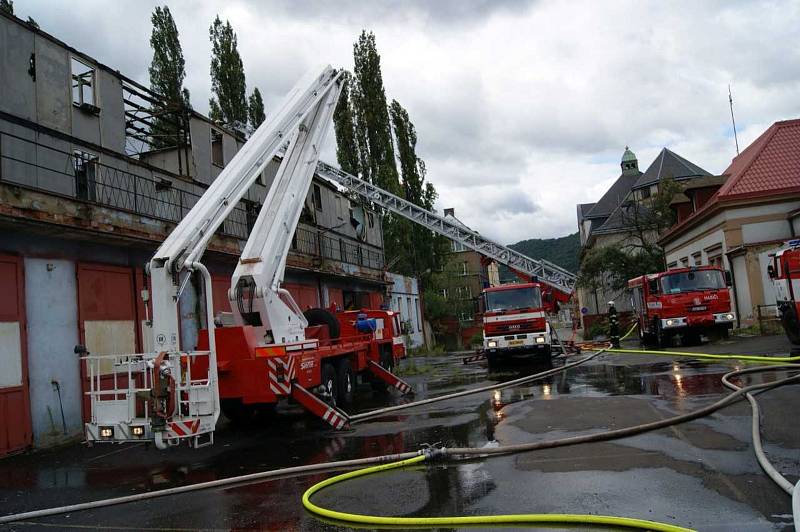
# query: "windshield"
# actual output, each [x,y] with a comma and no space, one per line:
[689,281]
[513,299]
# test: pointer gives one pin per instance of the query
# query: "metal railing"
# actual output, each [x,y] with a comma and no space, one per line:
[321,243]
[79,175]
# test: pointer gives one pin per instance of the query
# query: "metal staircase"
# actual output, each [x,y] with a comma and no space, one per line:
[544,271]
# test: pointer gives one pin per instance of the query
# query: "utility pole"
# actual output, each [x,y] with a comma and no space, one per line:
[730,100]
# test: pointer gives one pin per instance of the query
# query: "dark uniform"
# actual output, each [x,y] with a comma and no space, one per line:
[613,325]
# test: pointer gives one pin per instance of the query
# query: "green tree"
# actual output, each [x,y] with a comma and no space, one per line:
[372,116]
[167,72]
[347,149]
[424,248]
[255,109]
[7,6]
[228,104]
[638,252]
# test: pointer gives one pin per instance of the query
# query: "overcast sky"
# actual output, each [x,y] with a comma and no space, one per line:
[522,108]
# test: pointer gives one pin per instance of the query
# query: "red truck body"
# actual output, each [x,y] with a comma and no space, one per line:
[683,301]
[515,321]
[252,376]
[785,274]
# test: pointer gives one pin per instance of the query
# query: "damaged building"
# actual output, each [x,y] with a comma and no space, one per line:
[95,171]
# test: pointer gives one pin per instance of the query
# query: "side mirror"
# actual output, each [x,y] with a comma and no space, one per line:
[771,271]
[652,286]
[729,279]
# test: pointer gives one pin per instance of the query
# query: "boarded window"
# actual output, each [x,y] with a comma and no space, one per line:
[217,158]
[83,83]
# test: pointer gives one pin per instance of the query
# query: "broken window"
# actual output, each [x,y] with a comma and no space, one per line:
[85,166]
[216,148]
[317,199]
[83,79]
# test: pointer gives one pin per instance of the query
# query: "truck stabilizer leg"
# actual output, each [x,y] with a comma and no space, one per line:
[477,357]
[330,414]
[389,378]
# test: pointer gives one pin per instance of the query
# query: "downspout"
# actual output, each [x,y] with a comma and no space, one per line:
[733,286]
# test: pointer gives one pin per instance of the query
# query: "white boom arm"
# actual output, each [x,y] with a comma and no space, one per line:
[298,119]
[546,272]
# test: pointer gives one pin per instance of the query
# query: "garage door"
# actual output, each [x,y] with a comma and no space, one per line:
[15,417]
[107,319]
[306,296]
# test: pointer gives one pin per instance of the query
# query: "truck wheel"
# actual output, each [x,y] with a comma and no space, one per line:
[347,382]
[662,338]
[320,316]
[790,324]
[331,383]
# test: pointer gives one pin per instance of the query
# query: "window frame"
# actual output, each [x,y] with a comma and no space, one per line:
[92,84]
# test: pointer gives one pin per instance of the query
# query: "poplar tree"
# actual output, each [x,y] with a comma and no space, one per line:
[372,117]
[424,248]
[167,72]
[228,104]
[347,150]
[255,109]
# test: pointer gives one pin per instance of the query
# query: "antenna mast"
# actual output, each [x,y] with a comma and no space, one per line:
[735,136]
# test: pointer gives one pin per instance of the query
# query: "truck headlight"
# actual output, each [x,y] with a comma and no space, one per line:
[729,317]
[106,433]
[137,430]
[670,323]
[540,339]
[492,343]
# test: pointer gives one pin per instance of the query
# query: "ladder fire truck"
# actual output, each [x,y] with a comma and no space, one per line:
[785,274]
[271,350]
[515,315]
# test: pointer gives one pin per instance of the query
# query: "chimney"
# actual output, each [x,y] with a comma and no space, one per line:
[450,212]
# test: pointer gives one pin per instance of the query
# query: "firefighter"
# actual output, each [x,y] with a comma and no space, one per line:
[613,325]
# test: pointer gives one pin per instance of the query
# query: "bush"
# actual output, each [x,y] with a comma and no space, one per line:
[477,339]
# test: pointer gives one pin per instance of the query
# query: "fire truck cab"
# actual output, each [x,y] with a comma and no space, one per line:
[683,301]
[514,321]
[785,274]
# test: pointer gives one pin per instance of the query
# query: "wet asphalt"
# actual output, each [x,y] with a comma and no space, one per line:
[701,474]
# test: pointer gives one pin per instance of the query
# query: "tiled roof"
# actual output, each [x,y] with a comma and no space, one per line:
[613,196]
[669,164]
[770,165]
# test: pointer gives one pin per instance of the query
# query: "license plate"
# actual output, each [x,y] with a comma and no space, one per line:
[516,342]
[698,309]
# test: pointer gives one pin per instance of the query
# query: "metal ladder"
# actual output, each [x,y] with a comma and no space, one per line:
[544,271]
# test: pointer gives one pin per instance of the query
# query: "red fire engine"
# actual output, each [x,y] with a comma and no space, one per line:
[785,274]
[515,321]
[267,349]
[684,301]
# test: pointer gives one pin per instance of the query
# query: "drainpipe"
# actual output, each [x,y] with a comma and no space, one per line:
[733,286]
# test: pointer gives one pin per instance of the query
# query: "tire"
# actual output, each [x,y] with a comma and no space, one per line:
[662,338]
[791,324]
[320,316]
[331,383]
[347,381]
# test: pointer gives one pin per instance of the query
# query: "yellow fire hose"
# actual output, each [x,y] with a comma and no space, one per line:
[498,520]
[707,356]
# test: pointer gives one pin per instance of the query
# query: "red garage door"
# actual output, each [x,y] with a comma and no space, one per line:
[107,318]
[305,296]
[15,414]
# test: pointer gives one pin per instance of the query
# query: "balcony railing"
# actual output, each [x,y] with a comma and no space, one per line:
[79,175]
